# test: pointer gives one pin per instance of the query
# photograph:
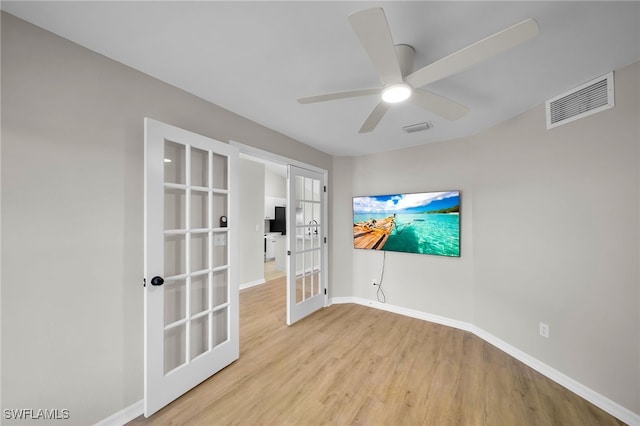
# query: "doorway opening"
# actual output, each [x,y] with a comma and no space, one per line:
[283,211]
[264,187]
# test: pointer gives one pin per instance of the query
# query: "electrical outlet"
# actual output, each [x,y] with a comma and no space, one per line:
[544,330]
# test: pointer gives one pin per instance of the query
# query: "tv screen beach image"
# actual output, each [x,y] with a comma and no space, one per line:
[424,223]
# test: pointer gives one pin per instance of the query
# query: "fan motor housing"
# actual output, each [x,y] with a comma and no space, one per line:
[405,54]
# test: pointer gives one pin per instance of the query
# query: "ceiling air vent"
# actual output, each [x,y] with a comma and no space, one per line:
[591,97]
[413,128]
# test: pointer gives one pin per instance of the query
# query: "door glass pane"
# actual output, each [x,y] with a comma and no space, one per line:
[316,270]
[174,208]
[299,214]
[199,208]
[174,347]
[199,250]
[317,258]
[174,255]
[316,283]
[317,238]
[316,190]
[219,326]
[299,262]
[299,186]
[199,293]
[199,336]
[175,301]
[220,287]
[219,208]
[174,162]
[220,170]
[308,213]
[308,189]
[199,167]
[300,284]
[308,261]
[220,249]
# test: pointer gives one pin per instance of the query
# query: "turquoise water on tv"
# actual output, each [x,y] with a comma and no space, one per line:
[437,233]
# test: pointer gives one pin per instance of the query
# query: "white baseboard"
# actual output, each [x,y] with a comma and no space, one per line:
[124,416]
[611,407]
[252,284]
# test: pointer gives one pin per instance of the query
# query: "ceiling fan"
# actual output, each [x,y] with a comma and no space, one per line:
[394,64]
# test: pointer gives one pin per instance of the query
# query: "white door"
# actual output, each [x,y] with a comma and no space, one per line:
[191,296]
[307,231]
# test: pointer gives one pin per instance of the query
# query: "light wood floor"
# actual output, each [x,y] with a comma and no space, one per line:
[270,271]
[349,364]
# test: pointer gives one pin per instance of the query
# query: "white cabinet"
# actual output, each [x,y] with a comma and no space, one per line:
[274,247]
[269,207]
[270,204]
[271,247]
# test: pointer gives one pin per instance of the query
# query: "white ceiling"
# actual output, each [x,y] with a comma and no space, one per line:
[257,58]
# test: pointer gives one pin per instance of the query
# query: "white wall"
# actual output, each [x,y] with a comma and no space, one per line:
[550,232]
[72,217]
[251,176]
[275,185]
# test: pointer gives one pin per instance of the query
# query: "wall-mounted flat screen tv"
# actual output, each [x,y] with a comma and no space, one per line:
[424,223]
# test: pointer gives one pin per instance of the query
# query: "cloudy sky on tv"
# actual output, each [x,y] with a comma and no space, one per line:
[406,203]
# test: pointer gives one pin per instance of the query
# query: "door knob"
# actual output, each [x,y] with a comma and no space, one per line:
[157,281]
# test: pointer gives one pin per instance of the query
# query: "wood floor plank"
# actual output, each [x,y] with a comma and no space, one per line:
[351,364]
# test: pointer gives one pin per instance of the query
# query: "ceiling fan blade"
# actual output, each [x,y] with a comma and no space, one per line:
[373,31]
[475,53]
[439,105]
[374,118]
[339,95]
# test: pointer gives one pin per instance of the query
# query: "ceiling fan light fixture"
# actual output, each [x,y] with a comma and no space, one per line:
[395,93]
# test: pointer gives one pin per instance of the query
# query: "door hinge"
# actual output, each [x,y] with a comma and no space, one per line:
[144,282]
[288,252]
[325,240]
[325,291]
[325,188]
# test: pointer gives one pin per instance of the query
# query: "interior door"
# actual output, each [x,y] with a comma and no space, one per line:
[306,231]
[191,295]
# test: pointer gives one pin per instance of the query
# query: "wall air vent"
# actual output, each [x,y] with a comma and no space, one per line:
[589,98]
[413,128]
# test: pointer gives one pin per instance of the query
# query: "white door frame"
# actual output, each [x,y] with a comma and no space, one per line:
[280,159]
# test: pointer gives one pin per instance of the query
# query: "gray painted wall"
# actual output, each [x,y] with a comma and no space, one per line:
[72,217]
[550,232]
[251,176]
[340,214]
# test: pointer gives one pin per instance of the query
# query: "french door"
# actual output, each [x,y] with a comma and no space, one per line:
[191,296]
[307,231]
